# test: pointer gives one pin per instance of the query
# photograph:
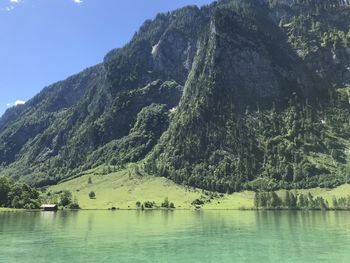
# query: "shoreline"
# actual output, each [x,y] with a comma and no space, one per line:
[14,210]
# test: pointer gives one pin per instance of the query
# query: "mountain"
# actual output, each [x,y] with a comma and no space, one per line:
[234,95]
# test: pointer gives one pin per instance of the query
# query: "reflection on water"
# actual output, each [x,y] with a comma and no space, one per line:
[175,236]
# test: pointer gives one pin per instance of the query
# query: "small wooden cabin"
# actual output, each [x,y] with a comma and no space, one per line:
[49,207]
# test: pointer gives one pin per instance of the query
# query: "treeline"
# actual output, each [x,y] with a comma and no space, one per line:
[63,199]
[18,195]
[270,200]
[260,150]
[166,204]
[313,4]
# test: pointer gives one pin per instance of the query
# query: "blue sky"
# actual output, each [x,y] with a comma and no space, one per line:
[43,41]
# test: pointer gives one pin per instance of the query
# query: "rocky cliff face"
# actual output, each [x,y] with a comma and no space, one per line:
[201,84]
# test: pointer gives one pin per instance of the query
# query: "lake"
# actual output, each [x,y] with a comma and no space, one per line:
[175,236]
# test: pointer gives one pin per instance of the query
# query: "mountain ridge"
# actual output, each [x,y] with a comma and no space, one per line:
[195,92]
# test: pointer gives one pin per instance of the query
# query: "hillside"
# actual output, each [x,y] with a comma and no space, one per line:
[236,95]
[123,189]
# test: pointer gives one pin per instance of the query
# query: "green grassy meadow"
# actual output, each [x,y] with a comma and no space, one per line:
[5,209]
[122,189]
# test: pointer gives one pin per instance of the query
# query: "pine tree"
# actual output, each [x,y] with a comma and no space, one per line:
[335,203]
[293,201]
[257,200]
[287,201]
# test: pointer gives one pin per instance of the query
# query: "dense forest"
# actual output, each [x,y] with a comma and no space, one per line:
[233,95]
[18,195]
[270,200]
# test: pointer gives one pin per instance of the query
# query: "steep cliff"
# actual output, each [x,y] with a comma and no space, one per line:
[233,95]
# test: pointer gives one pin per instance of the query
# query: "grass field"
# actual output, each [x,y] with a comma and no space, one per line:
[124,188]
[328,194]
[3,209]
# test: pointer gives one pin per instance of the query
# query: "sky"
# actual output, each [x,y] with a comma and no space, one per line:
[44,41]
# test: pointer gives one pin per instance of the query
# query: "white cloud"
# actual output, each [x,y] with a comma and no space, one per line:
[11,4]
[75,1]
[19,102]
[16,103]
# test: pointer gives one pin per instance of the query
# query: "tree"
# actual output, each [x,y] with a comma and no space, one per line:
[74,206]
[149,204]
[335,203]
[293,201]
[287,199]
[302,201]
[16,202]
[90,180]
[257,200]
[166,203]
[138,204]
[311,202]
[275,201]
[113,161]
[320,203]
[66,198]
[92,195]
[263,200]
[4,191]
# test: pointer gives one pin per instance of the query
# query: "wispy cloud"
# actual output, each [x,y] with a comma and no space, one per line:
[9,8]
[11,4]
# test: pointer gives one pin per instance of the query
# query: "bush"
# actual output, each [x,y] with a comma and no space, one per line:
[197,202]
[92,195]
[149,204]
[66,198]
[74,206]
[166,203]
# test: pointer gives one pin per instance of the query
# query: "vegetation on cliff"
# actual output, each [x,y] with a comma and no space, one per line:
[236,95]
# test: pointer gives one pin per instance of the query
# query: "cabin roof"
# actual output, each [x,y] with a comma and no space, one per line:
[49,206]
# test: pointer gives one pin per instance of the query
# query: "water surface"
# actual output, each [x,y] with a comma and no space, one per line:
[175,236]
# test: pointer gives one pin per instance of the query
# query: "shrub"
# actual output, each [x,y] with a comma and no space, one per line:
[197,202]
[92,195]
[74,206]
[66,198]
[149,204]
[166,203]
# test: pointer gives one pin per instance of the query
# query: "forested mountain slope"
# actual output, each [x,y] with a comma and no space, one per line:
[234,95]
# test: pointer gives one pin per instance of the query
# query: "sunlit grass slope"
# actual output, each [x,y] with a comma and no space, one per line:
[4,209]
[122,189]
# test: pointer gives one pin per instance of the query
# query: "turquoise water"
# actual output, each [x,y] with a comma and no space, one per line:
[175,236]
